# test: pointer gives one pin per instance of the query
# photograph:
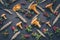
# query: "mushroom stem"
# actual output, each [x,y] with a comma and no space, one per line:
[5,17]
[20,26]
[35,10]
[51,9]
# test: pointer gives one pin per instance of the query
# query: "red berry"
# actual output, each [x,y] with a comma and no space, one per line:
[56,13]
[44,30]
[26,35]
[13,28]
[54,28]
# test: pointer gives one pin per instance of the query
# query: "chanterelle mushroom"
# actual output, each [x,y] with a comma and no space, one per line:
[19,25]
[35,22]
[4,16]
[17,7]
[33,7]
[50,7]
[48,23]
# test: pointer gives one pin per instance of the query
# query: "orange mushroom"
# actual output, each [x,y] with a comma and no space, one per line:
[50,7]
[4,16]
[33,7]
[17,7]
[35,22]
[19,25]
[48,23]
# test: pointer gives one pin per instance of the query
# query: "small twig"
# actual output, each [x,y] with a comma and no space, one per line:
[41,8]
[42,1]
[15,35]
[2,2]
[23,19]
[41,33]
[57,8]
[30,4]
[6,25]
[8,11]
[56,19]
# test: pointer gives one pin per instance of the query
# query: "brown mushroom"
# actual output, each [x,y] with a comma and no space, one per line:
[4,16]
[35,22]
[19,24]
[33,7]
[50,7]
[48,23]
[17,7]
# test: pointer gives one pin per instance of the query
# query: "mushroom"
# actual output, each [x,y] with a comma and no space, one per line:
[35,22]
[50,7]
[4,16]
[33,7]
[48,23]
[19,25]
[17,7]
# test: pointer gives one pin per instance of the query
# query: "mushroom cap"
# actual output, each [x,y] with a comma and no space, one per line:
[18,23]
[3,15]
[30,5]
[17,7]
[49,5]
[33,20]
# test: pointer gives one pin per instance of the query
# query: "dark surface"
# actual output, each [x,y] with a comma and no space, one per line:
[15,20]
